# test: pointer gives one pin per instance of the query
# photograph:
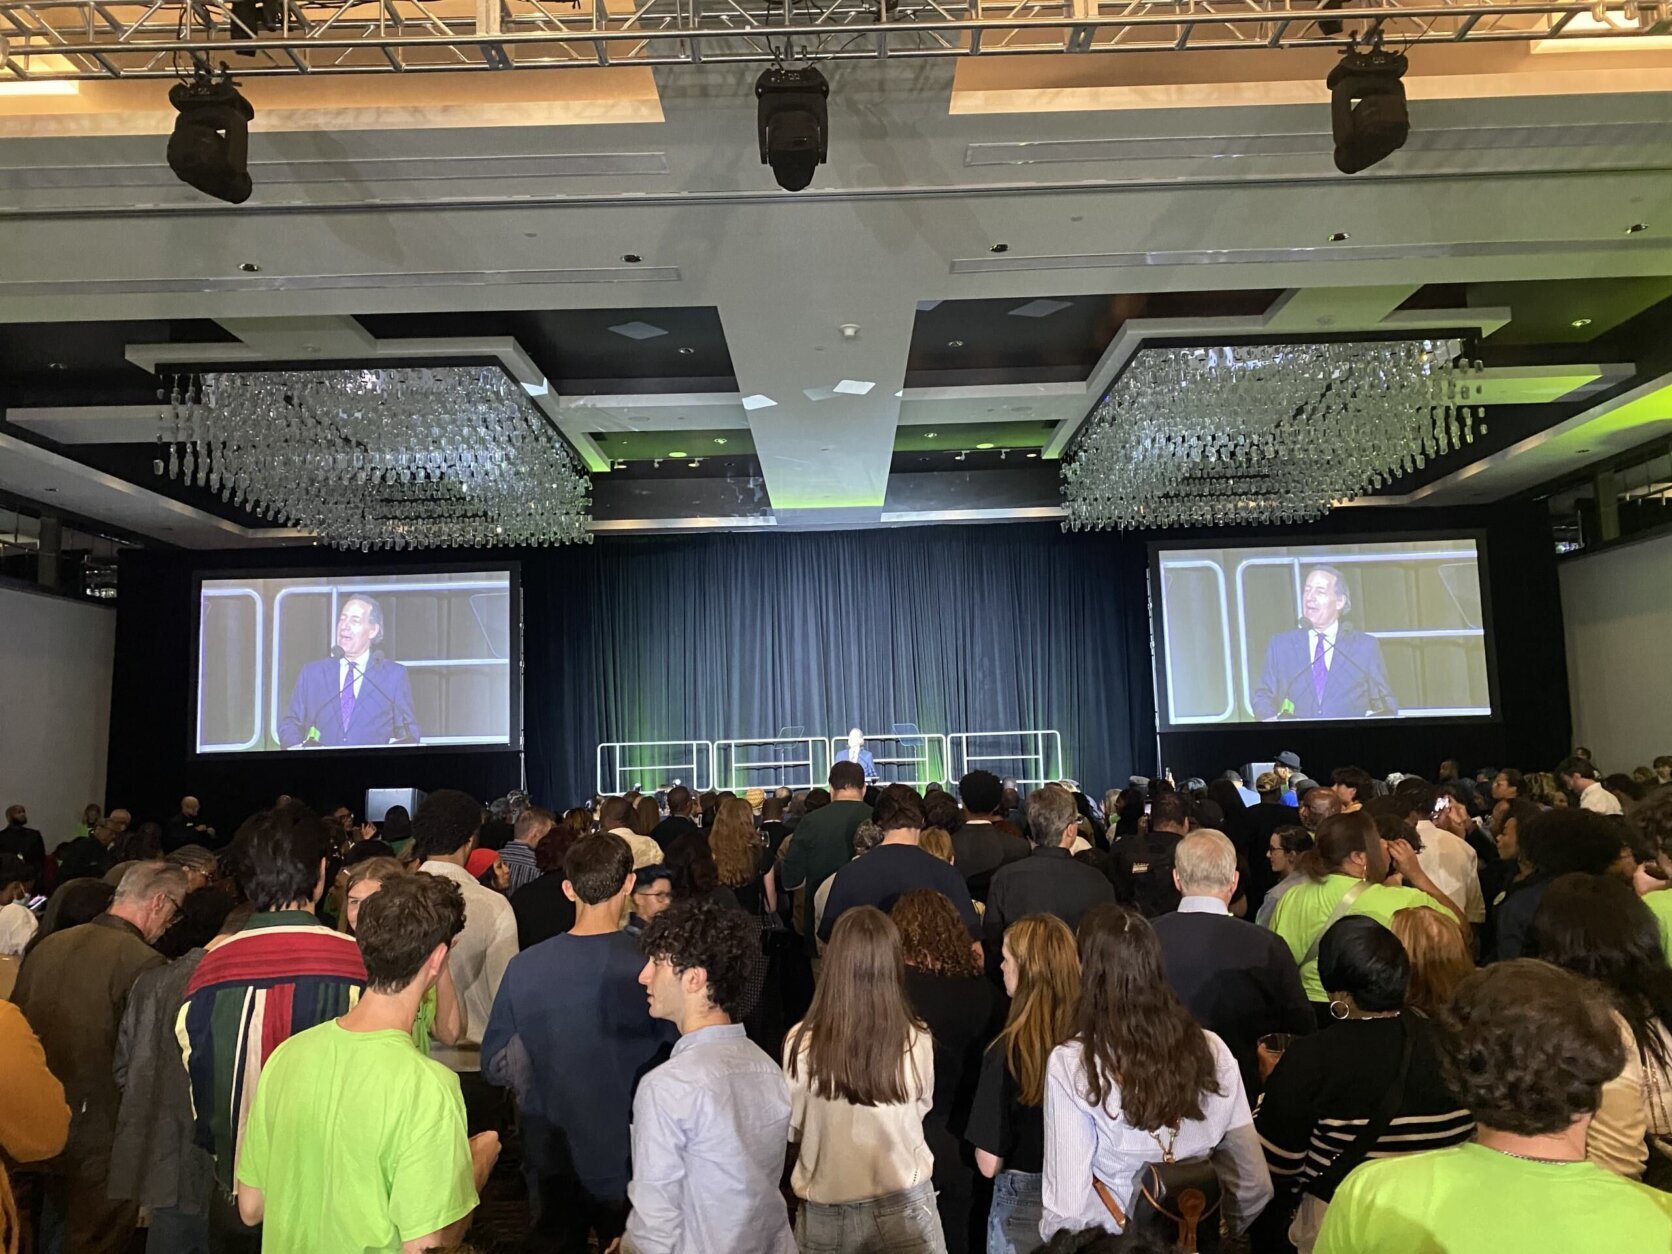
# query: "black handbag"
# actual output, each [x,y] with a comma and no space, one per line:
[1178,1200]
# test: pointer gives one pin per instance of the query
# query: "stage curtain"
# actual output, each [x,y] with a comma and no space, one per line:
[984,628]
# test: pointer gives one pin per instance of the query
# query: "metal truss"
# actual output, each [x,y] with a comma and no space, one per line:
[83,39]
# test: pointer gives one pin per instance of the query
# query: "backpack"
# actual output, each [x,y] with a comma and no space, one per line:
[1178,1201]
[1153,890]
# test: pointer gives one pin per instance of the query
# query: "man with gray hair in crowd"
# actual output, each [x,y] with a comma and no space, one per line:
[73,989]
[1236,978]
[1048,880]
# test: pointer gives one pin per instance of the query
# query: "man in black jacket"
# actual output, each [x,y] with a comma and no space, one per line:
[979,846]
[1143,862]
[1236,978]
[17,837]
[1048,880]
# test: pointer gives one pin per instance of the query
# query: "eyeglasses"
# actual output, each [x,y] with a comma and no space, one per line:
[661,895]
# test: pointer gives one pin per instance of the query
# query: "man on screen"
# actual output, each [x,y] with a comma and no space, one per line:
[1323,668]
[356,696]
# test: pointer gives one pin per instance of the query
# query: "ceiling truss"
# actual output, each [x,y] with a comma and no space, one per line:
[53,40]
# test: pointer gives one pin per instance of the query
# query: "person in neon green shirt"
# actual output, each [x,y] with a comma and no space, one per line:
[440,1016]
[1334,868]
[1527,1047]
[1654,819]
[356,1141]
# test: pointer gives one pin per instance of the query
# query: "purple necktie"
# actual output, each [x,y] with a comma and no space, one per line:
[1320,672]
[345,699]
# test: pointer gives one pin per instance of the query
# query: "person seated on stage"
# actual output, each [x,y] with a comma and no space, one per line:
[1324,668]
[357,696]
[857,752]
[896,866]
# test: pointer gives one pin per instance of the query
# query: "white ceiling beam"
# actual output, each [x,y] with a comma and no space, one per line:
[324,338]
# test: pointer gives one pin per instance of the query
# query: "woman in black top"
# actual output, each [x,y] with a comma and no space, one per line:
[542,908]
[1326,1088]
[740,858]
[962,1010]
[1007,1118]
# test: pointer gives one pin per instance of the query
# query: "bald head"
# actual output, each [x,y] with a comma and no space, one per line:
[188,807]
[1317,805]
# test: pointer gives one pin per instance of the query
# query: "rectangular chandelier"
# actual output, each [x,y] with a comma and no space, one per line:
[1266,433]
[428,457]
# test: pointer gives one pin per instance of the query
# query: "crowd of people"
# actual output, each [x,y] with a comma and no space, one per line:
[1355,1016]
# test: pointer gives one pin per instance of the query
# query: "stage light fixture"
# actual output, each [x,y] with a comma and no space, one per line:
[209,149]
[1367,106]
[793,123]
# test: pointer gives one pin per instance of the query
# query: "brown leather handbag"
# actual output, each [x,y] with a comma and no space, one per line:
[1178,1200]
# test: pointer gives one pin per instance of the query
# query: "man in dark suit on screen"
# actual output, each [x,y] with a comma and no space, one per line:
[1324,668]
[354,697]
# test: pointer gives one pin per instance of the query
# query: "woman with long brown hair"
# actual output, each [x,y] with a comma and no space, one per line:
[738,857]
[1139,1083]
[1007,1118]
[861,1072]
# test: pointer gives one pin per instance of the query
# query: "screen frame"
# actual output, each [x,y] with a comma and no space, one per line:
[346,574]
[1158,632]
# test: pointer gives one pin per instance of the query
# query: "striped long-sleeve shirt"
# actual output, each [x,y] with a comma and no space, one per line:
[1328,1085]
[284,973]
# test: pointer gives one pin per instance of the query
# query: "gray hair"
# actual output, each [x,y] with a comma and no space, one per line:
[144,880]
[866,836]
[1050,810]
[1206,862]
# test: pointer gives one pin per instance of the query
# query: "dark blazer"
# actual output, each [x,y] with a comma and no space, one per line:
[1237,980]
[382,712]
[26,843]
[1048,881]
[1357,683]
[981,849]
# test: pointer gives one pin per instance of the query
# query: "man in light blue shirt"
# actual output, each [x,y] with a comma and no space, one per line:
[710,1125]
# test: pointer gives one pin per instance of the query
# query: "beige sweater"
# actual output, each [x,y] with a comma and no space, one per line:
[1634,1103]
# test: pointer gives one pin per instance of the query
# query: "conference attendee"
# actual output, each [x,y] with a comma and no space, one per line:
[396,829]
[1507,785]
[1138,1081]
[615,815]
[1143,863]
[522,866]
[1653,823]
[283,973]
[1447,858]
[1324,668]
[1527,1048]
[740,860]
[91,856]
[570,1034]
[1500,875]
[357,696]
[18,838]
[18,926]
[1283,853]
[1338,884]
[1236,979]
[774,827]
[1006,1126]
[652,894]
[355,1140]
[858,754]
[1594,926]
[1049,880]
[440,1014]
[979,847]
[1580,777]
[72,903]
[894,867]
[542,908]
[1353,785]
[187,827]
[684,813]
[1553,843]
[34,1118]
[963,1012]
[822,842]
[710,1124]
[1368,1085]
[1439,954]
[1250,797]
[861,1072]
[444,833]
[154,1162]
[73,989]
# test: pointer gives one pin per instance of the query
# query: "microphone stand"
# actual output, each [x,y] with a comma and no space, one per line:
[403,730]
[337,655]
[1378,693]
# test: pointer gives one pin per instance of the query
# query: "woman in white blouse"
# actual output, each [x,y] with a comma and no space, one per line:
[1139,1081]
[861,1072]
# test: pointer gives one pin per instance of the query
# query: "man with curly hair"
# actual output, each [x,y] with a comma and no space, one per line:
[711,1123]
[1527,1047]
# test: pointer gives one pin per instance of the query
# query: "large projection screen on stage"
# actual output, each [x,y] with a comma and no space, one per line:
[357,661]
[1322,632]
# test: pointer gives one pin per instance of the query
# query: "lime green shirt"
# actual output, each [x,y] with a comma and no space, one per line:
[1470,1200]
[357,1142]
[1305,908]
[1660,905]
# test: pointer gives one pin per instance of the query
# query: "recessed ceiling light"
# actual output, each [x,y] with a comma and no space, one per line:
[1577,323]
[1039,308]
[1637,228]
[638,330]
[249,267]
[1338,237]
[631,259]
[758,401]
[1033,454]
[51,490]
[719,439]
[853,387]
[999,248]
[985,446]
[687,352]
[678,453]
[955,343]
[57,365]
[931,435]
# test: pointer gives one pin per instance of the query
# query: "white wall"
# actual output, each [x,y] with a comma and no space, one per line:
[1617,610]
[56,658]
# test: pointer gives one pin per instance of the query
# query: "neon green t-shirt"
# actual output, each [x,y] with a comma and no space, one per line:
[1469,1199]
[357,1142]
[1660,905]
[1305,909]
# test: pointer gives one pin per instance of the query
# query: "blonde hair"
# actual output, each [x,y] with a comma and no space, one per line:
[1439,956]
[935,840]
[378,869]
[1047,999]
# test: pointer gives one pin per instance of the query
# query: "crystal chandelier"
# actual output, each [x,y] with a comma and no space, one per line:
[1266,433]
[416,458]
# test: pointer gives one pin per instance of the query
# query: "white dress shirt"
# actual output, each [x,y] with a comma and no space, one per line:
[1450,861]
[646,852]
[1329,644]
[1203,905]
[1598,800]
[359,665]
[477,962]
